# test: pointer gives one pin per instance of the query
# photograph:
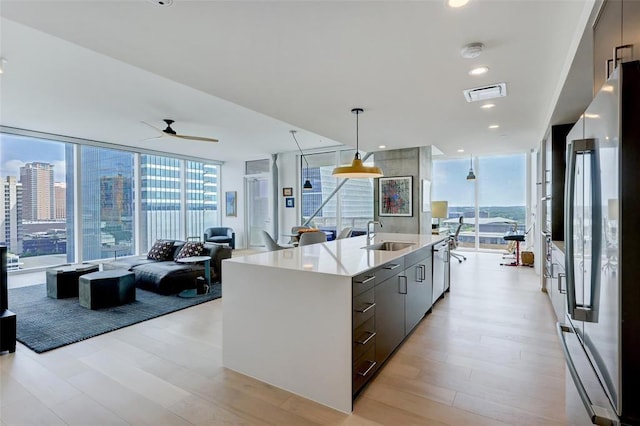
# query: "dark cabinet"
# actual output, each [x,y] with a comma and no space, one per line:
[419,291]
[390,295]
[388,302]
[554,170]
[618,24]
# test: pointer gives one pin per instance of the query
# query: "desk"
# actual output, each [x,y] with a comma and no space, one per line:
[207,274]
[439,231]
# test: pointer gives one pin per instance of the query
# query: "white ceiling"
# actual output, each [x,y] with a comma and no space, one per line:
[248,72]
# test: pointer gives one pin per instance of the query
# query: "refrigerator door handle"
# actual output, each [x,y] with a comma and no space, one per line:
[598,415]
[588,311]
[569,194]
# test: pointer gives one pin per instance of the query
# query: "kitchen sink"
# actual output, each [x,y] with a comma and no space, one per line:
[388,246]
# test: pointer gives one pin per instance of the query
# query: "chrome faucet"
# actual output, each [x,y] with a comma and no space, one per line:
[370,234]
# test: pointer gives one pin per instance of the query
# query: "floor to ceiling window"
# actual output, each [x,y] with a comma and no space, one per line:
[68,200]
[201,197]
[107,210]
[491,205]
[450,184]
[351,206]
[33,206]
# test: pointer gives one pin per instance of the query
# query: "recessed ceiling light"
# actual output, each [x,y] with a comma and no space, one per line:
[162,3]
[479,71]
[457,3]
[494,126]
[487,106]
[382,146]
[461,150]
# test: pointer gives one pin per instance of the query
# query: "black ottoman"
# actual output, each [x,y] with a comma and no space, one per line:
[107,288]
[62,282]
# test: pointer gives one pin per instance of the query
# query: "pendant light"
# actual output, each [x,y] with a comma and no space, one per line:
[307,183]
[471,175]
[357,169]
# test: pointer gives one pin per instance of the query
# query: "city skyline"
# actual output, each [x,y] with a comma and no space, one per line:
[14,155]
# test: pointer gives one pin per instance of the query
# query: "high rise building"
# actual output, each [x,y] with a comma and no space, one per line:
[38,201]
[11,214]
[60,199]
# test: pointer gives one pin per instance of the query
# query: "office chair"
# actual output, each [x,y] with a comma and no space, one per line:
[453,242]
[345,233]
[270,243]
[312,238]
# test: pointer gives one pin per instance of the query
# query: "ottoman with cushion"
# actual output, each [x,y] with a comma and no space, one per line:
[62,281]
[107,288]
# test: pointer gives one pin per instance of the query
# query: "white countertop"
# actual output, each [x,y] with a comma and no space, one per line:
[344,257]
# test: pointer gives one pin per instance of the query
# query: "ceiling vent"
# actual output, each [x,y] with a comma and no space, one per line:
[497,90]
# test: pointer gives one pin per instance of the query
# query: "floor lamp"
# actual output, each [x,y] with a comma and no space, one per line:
[439,210]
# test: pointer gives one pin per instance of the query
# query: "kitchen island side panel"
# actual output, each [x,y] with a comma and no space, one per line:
[291,329]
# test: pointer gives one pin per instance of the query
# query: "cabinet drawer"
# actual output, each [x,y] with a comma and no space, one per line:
[363,282]
[389,269]
[363,369]
[416,256]
[364,307]
[364,337]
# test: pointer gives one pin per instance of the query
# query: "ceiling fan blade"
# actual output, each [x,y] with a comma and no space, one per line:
[152,139]
[195,138]
[154,128]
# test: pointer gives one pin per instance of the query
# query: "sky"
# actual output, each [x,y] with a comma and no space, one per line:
[15,151]
[501,181]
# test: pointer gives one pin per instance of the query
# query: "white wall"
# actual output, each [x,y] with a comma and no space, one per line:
[288,177]
[233,180]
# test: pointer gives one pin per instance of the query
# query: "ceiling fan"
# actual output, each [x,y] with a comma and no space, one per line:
[168,131]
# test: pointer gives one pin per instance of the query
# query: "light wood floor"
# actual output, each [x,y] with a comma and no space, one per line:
[488,354]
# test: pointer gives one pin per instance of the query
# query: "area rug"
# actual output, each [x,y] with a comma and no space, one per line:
[44,323]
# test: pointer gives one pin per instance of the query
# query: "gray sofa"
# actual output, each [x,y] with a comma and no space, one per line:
[170,277]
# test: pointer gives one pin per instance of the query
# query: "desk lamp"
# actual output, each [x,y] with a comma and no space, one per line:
[439,210]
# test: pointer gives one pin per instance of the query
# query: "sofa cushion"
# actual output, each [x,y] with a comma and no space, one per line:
[162,250]
[190,249]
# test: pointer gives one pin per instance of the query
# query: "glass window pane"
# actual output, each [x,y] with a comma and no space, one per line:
[256,167]
[202,198]
[450,184]
[501,198]
[356,198]
[160,199]
[107,185]
[33,204]
[320,174]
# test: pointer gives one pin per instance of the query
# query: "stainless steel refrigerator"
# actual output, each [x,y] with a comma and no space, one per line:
[601,335]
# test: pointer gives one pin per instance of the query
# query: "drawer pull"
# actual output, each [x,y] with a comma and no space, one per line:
[368,370]
[372,334]
[392,266]
[362,311]
[373,277]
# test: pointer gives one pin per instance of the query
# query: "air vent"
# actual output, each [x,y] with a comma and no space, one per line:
[497,90]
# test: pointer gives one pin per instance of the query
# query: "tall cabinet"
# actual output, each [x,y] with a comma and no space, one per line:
[617,25]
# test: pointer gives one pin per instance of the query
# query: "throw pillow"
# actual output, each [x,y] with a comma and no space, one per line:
[161,250]
[190,249]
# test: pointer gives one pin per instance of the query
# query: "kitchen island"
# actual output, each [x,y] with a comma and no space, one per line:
[319,320]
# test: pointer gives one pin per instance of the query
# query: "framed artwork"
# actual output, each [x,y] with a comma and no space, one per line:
[395,196]
[426,195]
[287,192]
[231,203]
[289,202]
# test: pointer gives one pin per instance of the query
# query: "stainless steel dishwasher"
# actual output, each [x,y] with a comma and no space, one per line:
[440,269]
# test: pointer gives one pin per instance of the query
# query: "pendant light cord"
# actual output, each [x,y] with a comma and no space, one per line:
[357,112]
[293,133]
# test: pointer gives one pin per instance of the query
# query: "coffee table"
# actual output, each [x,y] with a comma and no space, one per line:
[207,274]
